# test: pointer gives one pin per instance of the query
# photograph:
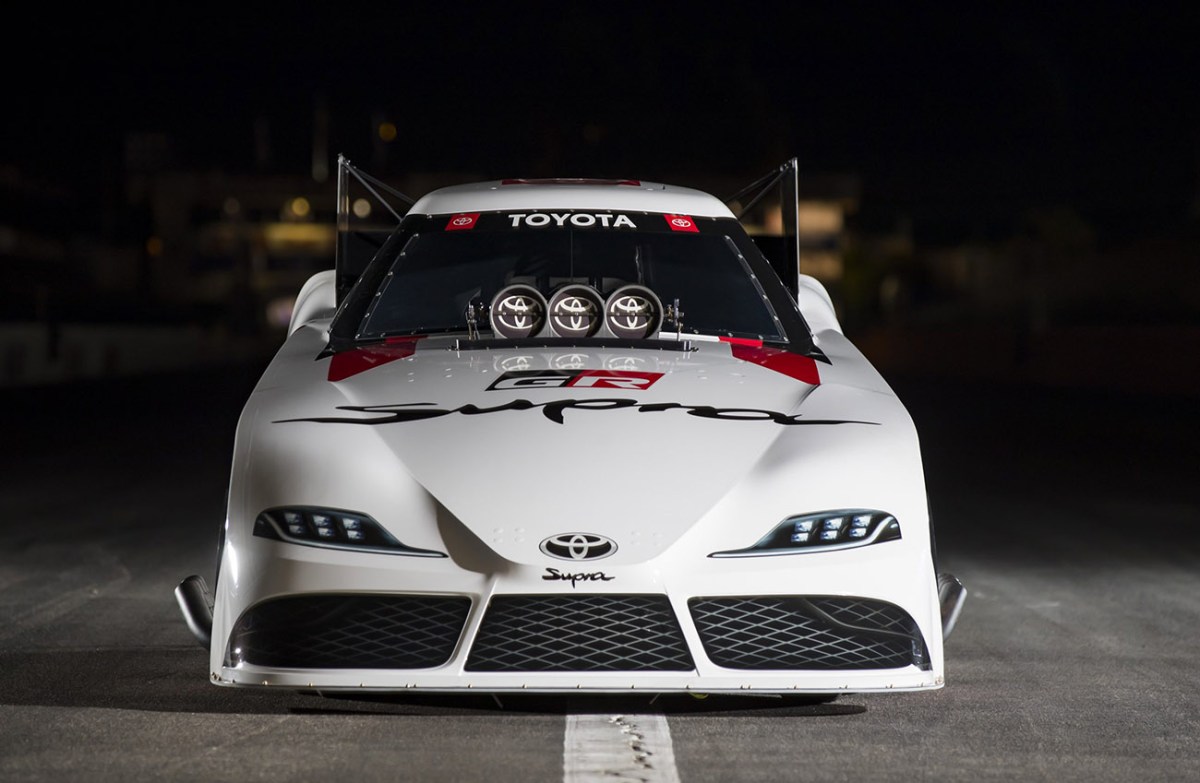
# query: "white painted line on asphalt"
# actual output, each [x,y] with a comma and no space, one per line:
[618,747]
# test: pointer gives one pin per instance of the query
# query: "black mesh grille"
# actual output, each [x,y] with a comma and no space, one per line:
[861,613]
[350,632]
[537,633]
[807,632]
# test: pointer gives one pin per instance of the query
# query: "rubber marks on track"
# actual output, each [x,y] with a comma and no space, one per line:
[618,747]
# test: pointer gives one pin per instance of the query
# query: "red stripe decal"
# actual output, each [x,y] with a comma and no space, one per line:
[347,364]
[742,341]
[793,365]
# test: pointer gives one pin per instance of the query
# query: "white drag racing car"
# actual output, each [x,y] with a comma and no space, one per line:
[566,435]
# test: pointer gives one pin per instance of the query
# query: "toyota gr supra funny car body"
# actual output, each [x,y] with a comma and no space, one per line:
[566,435]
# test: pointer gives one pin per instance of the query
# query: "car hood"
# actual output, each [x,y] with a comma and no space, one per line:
[520,445]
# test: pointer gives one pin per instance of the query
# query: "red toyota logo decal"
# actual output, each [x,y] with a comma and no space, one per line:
[461,222]
[681,223]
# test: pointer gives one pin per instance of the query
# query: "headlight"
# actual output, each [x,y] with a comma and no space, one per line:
[822,532]
[334,529]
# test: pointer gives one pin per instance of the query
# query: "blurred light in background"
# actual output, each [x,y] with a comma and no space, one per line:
[231,207]
[284,239]
[154,247]
[821,217]
[361,208]
[297,208]
[279,312]
[387,131]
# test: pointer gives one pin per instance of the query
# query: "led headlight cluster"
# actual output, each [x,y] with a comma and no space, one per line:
[822,532]
[332,528]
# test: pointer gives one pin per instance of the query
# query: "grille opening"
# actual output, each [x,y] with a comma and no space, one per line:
[592,633]
[808,633]
[349,632]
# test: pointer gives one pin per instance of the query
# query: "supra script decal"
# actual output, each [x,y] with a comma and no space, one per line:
[414,411]
[554,575]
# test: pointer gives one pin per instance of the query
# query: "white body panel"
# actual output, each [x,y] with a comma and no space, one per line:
[670,486]
[642,196]
[814,302]
[315,300]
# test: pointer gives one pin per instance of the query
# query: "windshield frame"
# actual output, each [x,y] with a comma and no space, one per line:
[343,334]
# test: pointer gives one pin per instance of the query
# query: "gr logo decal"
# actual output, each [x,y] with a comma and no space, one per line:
[585,379]
[578,546]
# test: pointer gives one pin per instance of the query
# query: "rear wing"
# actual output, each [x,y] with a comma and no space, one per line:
[365,219]
[781,249]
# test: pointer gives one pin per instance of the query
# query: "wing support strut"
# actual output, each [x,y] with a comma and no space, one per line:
[786,177]
[355,248]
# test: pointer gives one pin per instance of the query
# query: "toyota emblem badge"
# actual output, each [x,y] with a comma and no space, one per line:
[578,546]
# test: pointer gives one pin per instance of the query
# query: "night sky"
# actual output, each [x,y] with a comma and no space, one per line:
[967,115]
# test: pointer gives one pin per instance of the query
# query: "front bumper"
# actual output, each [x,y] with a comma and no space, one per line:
[896,574]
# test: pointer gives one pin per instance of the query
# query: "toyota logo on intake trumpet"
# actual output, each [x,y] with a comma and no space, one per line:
[633,312]
[578,546]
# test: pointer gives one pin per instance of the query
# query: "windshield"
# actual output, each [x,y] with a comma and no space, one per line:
[428,277]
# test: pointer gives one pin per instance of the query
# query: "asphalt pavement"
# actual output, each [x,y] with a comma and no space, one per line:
[1073,517]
